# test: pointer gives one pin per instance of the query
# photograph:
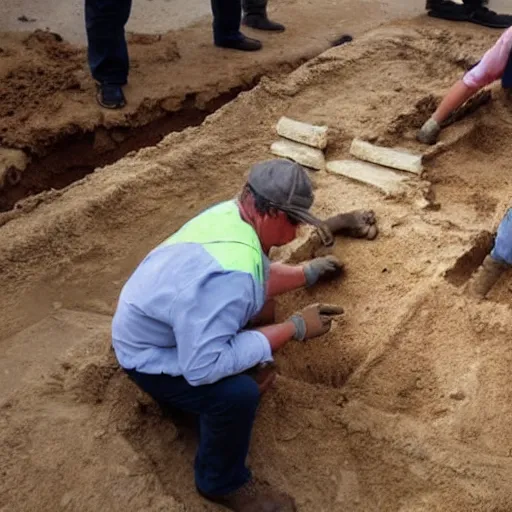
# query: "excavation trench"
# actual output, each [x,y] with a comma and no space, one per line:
[75,156]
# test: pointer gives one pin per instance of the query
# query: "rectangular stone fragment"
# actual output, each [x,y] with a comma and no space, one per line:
[386,180]
[388,157]
[315,136]
[300,153]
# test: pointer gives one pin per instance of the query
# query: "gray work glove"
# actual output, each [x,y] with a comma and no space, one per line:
[314,320]
[322,269]
[429,132]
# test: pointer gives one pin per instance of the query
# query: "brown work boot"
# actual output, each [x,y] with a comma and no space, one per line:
[255,496]
[486,276]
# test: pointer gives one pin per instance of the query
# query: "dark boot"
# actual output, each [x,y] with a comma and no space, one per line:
[487,18]
[245,44]
[254,496]
[255,16]
[472,11]
[261,22]
[447,10]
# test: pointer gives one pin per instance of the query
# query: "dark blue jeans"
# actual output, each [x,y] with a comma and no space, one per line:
[227,15]
[107,49]
[226,412]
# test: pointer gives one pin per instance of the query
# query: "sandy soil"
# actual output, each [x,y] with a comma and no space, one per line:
[404,406]
[47,92]
[48,114]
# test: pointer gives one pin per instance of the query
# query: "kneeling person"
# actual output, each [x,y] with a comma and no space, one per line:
[181,326]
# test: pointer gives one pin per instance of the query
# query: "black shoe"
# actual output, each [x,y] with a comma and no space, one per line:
[344,39]
[245,44]
[261,22]
[110,96]
[434,4]
[447,10]
[491,19]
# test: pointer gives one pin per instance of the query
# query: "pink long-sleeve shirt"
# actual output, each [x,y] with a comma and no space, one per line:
[493,63]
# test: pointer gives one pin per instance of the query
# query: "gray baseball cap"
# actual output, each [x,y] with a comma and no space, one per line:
[287,187]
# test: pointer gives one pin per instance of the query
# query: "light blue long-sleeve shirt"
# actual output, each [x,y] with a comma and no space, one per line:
[182,313]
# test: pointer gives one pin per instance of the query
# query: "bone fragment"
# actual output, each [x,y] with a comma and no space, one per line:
[388,157]
[386,180]
[315,136]
[300,153]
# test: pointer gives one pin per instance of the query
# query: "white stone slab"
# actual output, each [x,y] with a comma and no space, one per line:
[300,153]
[311,135]
[388,157]
[386,180]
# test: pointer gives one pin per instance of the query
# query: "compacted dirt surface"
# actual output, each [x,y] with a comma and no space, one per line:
[48,112]
[404,406]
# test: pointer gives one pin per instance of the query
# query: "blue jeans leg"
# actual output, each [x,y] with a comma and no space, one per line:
[226,412]
[107,50]
[227,15]
[502,250]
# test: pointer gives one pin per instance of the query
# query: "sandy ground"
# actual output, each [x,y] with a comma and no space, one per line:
[47,92]
[404,406]
[49,116]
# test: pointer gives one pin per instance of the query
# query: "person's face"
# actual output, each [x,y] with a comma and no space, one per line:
[277,229]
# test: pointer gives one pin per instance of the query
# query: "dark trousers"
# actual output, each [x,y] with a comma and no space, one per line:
[254,6]
[227,15]
[107,49]
[226,412]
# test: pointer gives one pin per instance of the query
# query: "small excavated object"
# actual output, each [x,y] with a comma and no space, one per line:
[311,135]
[388,157]
[304,155]
[386,180]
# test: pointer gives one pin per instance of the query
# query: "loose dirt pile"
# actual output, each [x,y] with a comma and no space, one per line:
[404,406]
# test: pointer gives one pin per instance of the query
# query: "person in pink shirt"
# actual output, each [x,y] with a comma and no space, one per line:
[495,64]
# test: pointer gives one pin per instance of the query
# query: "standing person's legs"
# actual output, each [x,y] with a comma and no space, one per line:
[255,16]
[227,16]
[107,49]
[473,11]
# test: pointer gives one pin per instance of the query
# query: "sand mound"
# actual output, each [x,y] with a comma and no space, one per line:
[404,406]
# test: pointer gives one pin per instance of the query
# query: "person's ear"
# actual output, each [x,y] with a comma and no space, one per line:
[274,213]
